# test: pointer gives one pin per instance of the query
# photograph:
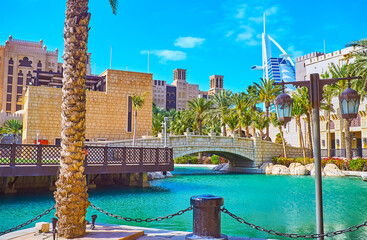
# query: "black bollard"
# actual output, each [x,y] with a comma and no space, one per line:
[206,218]
[54,231]
[94,217]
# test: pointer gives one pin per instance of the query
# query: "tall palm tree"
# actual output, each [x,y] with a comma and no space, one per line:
[137,102]
[240,103]
[328,95]
[297,111]
[267,93]
[252,100]
[279,125]
[303,98]
[157,121]
[71,195]
[222,103]
[12,127]
[359,67]
[342,72]
[199,108]
[261,121]
[232,122]
[246,120]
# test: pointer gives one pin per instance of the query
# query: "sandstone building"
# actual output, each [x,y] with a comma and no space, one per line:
[19,59]
[109,112]
[176,95]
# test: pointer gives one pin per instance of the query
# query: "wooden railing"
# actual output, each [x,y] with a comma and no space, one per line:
[38,160]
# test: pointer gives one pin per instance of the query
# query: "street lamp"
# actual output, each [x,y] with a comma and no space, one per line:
[165,131]
[349,102]
[38,133]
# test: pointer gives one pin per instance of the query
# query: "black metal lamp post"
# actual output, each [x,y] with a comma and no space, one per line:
[349,102]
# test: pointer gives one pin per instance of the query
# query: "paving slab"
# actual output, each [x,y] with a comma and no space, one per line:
[111,232]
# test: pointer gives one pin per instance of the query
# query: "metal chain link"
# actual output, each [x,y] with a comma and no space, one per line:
[293,235]
[140,219]
[28,222]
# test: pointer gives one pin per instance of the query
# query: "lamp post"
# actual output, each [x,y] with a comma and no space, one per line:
[349,102]
[165,131]
[38,133]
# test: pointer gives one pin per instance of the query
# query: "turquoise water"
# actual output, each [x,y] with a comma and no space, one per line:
[282,203]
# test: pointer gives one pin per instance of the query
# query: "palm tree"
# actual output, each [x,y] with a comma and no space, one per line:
[199,108]
[267,92]
[261,121]
[252,100]
[12,127]
[157,121]
[138,102]
[279,125]
[240,103]
[246,120]
[359,67]
[232,122]
[222,103]
[328,95]
[297,111]
[303,98]
[71,195]
[342,72]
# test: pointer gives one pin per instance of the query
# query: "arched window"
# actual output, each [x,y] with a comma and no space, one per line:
[39,65]
[25,62]
[29,78]
[332,125]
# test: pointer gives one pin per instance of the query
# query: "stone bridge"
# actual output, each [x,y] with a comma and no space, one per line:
[241,152]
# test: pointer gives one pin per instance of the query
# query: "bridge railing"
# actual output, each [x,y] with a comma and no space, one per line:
[98,158]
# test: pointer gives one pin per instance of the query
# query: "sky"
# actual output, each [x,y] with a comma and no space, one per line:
[205,37]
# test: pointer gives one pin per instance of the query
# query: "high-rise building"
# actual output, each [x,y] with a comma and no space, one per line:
[277,68]
[176,95]
[19,62]
[216,84]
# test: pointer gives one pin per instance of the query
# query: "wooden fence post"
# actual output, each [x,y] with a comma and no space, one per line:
[39,155]
[12,157]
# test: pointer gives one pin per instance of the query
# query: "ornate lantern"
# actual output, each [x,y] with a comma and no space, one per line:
[284,104]
[349,103]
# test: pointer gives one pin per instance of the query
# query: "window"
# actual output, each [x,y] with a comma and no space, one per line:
[129,114]
[8,107]
[8,97]
[9,89]
[10,79]
[18,107]
[19,89]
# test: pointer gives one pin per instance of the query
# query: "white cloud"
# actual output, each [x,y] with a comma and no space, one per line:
[188,42]
[167,55]
[229,33]
[240,11]
[256,19]
[248,36]
[271,11]
[295,53]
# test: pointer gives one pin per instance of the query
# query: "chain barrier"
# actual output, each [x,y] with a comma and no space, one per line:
[27,222]
[127,219]
[292,235]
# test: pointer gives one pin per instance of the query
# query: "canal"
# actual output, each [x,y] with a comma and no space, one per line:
[282,203]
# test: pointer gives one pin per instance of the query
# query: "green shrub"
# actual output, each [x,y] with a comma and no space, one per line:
[215,159]
[186,159]
[357,164]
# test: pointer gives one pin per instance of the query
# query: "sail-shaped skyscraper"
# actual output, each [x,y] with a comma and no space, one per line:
[277,68]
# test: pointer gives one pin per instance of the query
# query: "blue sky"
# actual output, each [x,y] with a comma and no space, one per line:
[205,37]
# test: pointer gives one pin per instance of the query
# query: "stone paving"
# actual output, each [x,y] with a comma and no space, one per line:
[111,232]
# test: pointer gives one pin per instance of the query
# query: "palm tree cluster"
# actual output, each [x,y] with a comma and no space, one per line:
[224,112]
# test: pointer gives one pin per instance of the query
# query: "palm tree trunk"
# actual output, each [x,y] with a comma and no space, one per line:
[267,127]
[239,130]
[224,128]
[247,132]
[309,131]
[298,122]
[328,135]
[283,141]
[348,140]
[71,195]
[135,122]
[253,131]
[200,127]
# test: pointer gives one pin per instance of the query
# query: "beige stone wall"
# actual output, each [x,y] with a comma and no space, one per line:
[2,73]
[106,116]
